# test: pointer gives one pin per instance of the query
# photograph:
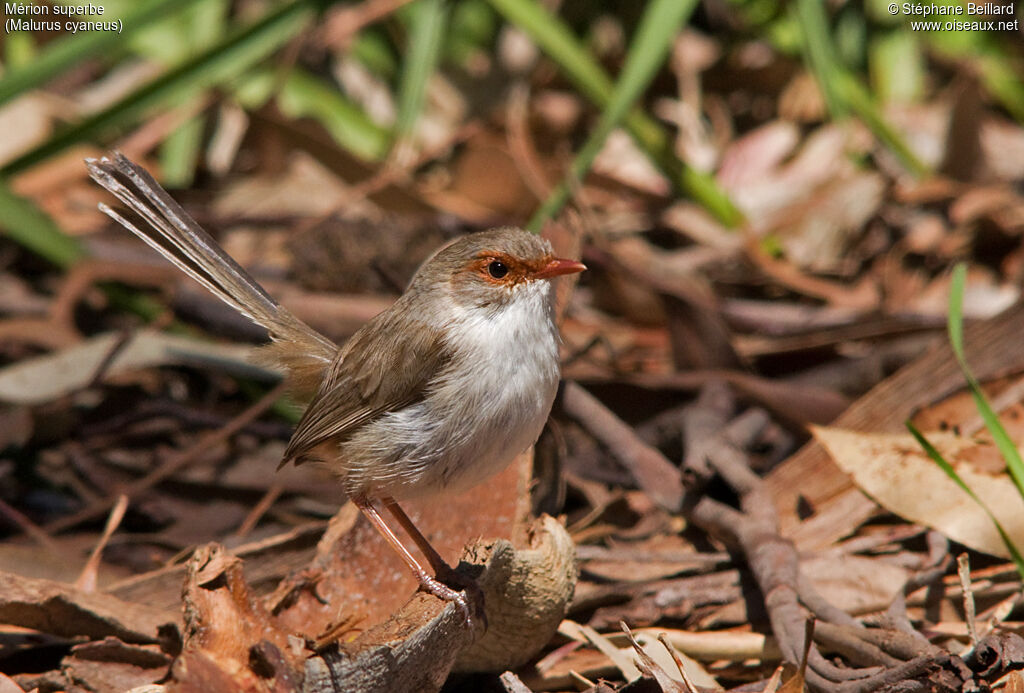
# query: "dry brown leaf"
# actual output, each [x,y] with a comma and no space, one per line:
[652,669]
[45,378]
[757,154]
[896,472]
[304,188]
[793,680]
[855,584]
[817,232]
[621,160]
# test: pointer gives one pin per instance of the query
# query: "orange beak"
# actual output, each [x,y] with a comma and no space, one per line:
[559,266]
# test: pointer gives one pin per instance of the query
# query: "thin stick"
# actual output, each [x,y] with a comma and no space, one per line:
[264,504]
[963,569]
[29,527]
[87,578]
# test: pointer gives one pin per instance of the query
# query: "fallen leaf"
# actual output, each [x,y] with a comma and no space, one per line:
[896,472]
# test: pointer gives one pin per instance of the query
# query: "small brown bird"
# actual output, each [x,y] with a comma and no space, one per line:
[436,393]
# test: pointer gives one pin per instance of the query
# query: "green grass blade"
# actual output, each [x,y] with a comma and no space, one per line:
[427,21]
[34,230]
[554,38]
[179,153]
[303,95]
[67,52]
[374,51]
[819,54]
[650,45]
[227,59]
[955,321]
[897,68]
[946,467]
[843,92]
[559,43]
[19,50]
[1009,451]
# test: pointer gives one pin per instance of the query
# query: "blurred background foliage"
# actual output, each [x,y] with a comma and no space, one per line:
[195,60]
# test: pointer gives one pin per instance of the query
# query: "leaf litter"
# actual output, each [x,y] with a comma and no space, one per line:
[696,502]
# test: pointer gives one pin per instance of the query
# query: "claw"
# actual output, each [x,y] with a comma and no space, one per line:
[442,591]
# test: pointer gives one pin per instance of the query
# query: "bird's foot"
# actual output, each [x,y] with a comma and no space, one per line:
[433,586]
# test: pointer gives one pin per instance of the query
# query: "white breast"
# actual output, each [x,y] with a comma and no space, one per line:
[489,404]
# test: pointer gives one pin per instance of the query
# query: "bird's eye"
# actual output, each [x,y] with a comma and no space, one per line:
[497,269]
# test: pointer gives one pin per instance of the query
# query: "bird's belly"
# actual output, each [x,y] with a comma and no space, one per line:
[464,431]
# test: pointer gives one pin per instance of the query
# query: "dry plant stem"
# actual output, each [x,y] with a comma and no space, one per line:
[87,578]
[792,402]
[22,522]
[262,506]
[174,464]
[650,668]
[677,659]
[963,564]
[115,349]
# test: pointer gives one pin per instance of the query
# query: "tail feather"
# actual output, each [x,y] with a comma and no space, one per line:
[176,236]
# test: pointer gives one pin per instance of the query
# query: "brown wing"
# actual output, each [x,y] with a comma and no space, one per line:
[384,366]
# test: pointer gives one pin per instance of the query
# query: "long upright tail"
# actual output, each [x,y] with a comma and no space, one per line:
[175,235]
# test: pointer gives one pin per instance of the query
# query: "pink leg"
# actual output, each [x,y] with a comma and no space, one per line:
[433,557]
[428,583]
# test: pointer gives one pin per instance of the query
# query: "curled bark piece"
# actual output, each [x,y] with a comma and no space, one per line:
[60,609]
[997,653]
[234,643]
[231,642]
[414,651]
[526,593]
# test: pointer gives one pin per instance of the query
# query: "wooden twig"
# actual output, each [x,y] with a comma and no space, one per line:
[658,477]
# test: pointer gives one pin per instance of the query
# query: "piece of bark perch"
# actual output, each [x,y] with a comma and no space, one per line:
[233,643]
